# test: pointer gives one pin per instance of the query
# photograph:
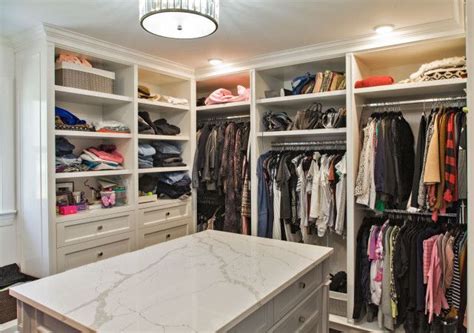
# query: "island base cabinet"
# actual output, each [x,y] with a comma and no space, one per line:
[31,319]
[88,252]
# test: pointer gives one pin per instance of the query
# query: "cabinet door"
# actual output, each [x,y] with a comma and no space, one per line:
[153,216]
[85,253]
[162,233]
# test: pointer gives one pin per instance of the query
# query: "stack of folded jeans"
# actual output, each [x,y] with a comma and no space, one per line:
[158,127]
[105,157]
[145,155]
[66,161]
[173,185]
[167,155]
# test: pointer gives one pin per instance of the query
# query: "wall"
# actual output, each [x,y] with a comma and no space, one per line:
[8,247]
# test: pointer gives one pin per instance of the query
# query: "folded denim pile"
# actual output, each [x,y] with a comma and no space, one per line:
[105,157]
[169,185]
[65,120]
[158,127]
[145,155]
[167,155]
[66,161]
[312,117]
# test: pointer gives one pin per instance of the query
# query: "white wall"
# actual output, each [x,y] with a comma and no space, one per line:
[8,249]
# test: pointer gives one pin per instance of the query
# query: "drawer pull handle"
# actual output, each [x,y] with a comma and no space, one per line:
[100,227]
[301,319]
[168,236]
[168,213]
[100,254]
[302,285]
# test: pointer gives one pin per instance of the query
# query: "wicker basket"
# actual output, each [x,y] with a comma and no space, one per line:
[77,76]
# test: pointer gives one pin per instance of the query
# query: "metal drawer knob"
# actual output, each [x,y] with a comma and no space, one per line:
[302,285]
[100,227]
[100,254]
[168,236]
[301,319]
[168,213]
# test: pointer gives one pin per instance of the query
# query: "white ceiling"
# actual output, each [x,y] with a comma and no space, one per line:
[247,27]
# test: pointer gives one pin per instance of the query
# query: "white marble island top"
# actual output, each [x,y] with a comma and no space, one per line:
[204,282]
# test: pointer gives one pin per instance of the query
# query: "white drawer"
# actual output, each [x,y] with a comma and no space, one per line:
[288,298]
[69,233]
[162,233]
[152,216]
[85,253]
[259,321]
[305,317]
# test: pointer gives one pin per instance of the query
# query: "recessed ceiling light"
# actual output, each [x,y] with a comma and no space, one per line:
[384,29]
[215,61]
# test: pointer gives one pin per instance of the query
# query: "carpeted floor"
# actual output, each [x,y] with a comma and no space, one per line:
[7,307]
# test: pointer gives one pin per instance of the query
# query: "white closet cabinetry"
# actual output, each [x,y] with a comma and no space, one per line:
[51,243]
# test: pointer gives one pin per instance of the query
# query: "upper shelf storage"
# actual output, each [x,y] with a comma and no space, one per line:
[237,102]
[437,77]
[83,96]
[304,99]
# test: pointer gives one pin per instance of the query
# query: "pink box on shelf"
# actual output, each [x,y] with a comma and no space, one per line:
[67,210]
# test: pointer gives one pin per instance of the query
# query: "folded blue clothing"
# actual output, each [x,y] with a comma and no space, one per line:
[166,147]
[144,150]
[67,117]
[171,178]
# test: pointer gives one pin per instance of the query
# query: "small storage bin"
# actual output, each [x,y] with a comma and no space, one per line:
[107,199]
[77,76]
[120,196]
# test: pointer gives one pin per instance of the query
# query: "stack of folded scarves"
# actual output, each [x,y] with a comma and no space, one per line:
[158,127]
[173,185]
[145,155]
[66,161]
[106,157]
[111,126]
[167,155]
[65,120]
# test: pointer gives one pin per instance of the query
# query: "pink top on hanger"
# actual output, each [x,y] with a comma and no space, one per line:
[222,95]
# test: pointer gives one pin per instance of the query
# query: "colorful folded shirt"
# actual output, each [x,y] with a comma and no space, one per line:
[114,156]
[374,81]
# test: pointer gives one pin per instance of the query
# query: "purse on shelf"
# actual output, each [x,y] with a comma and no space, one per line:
[303,83]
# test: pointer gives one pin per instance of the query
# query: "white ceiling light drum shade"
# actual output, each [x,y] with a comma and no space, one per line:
[180,19]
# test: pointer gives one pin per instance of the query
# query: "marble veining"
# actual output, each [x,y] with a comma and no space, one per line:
[197,283]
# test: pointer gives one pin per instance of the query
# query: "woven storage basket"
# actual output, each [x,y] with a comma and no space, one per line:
[77,76]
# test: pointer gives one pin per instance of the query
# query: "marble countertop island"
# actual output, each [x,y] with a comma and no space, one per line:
[205,282]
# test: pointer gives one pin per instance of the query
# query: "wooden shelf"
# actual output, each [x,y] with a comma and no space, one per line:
[341,323]
[418,89]
[163,137]
[75,95]
[85,174]
[92,135]
[226,107]
[91,213]
[160,170]
[338,296]
[324,132]
[296,100]
[164,203]
[154,106]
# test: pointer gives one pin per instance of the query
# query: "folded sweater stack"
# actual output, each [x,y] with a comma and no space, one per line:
[145,155]
[106,157]
[167,155]
[158,127]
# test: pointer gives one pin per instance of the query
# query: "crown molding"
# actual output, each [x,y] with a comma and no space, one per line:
[430,31]
[96,47]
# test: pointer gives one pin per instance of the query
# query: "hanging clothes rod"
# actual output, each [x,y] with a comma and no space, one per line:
[309,143]
[415,101]
[405,212]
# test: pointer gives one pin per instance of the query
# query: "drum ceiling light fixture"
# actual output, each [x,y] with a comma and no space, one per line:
[180,19]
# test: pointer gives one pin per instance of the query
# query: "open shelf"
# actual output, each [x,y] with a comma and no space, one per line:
[341,323]
[92,135]
[155,106]
[163,137]
[160,170]
[428,88]
[227,107]
[338,296]
[84,174]
[323,132]
[92,213]
[75,95]
[304,99]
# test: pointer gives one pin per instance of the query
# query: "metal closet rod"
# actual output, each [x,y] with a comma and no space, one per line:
[406,212]
[415,101]
[223,118]
[309,143]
